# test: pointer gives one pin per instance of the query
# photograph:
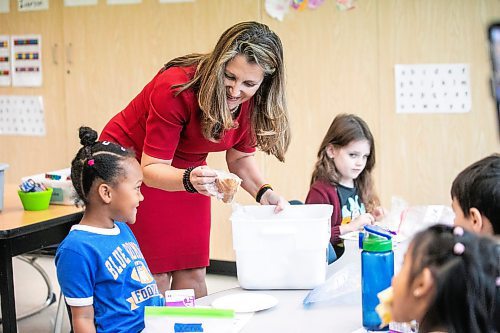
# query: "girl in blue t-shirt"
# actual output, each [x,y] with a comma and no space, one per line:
[101,270]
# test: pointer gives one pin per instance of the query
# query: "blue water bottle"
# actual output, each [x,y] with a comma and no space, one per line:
[377,270]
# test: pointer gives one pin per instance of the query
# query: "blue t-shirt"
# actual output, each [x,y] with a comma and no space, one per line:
[105,268]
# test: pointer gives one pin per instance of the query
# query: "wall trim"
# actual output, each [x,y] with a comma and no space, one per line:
[222,267]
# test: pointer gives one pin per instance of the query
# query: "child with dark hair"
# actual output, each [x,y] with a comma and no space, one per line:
[101,270]
[476,196]
[342,178]
[449,282]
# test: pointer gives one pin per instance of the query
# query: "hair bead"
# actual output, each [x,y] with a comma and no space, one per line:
[458,231]
[459,248]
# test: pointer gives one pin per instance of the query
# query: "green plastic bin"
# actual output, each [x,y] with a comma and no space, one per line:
[35,200]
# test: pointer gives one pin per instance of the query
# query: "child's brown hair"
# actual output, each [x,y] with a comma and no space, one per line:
[344,129]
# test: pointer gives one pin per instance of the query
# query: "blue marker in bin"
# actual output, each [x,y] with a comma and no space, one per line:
[30,185]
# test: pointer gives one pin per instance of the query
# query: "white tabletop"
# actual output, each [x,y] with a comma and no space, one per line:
[341,315]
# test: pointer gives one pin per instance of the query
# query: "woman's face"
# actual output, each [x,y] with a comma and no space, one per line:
[241,80]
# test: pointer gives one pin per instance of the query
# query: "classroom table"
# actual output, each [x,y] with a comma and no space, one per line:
[342,314]
[24,231]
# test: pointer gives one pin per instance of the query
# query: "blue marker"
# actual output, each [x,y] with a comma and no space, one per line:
[184,328]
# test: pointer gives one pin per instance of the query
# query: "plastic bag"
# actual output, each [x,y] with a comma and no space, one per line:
[407,220]
[339,287]
[418,218]
[225,186]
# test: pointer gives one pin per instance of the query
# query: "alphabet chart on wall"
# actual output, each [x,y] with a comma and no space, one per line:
[22,115]
[432,88]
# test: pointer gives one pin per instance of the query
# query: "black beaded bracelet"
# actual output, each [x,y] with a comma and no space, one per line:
[261,192]
[188,186]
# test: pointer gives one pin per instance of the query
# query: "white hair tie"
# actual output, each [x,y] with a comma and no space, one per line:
[458,249]
[458,231]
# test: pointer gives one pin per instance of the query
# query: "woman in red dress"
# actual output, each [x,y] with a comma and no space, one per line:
[232,100]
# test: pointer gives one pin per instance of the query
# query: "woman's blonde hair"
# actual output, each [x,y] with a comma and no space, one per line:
[259,45]
[344,129]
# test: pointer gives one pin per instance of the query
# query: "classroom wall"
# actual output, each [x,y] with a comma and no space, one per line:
[97,58]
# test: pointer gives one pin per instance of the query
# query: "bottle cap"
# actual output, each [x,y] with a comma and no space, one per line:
[374,243]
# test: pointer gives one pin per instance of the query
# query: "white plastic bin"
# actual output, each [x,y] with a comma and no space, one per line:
[3,166]
[63,191]
[287,250]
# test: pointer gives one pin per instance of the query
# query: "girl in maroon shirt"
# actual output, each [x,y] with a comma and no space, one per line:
[342,178]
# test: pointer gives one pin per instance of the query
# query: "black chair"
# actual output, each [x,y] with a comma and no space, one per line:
[31,259]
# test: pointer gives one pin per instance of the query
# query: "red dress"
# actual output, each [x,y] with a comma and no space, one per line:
[173,228]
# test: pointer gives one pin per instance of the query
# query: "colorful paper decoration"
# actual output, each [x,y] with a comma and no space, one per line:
[279,8]
[345,4]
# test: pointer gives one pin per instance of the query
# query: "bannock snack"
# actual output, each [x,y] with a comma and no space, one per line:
[228,188]
[384,307]
[225,186]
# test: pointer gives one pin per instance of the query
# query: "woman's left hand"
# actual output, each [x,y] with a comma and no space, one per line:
[272,198]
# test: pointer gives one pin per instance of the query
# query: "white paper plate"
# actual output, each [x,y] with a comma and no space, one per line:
[245,302]
[353,235]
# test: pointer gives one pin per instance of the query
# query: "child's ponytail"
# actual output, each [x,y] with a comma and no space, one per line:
[464,267]
[96,160]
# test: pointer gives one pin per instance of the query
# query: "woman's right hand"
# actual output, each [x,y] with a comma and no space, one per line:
[201,177]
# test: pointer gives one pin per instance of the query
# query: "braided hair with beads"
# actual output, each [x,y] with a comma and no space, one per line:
[96,160]
[465,268]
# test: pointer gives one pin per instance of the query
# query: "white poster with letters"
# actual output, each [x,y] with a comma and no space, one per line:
[22,115]
[432,88]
